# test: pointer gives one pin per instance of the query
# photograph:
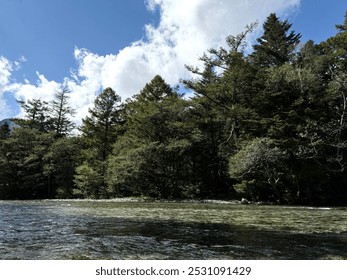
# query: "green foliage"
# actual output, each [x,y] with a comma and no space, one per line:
[36,115]
[48,116]
[276,46]
[22,166]
[151,158]
[99,131]
[60,114]
[59,166]
[259,163]
[4,131]
[87,181]
[35,163]
[269,125]
[100,128]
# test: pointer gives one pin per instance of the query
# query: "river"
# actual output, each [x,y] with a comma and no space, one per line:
[87,229]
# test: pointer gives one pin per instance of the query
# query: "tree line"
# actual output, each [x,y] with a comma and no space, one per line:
[267,125]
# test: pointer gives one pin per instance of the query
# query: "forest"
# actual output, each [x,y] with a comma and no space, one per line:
[268,125]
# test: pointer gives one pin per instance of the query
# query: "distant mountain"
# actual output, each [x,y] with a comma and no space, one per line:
[9,122]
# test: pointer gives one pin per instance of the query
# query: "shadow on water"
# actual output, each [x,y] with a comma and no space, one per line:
[152,239]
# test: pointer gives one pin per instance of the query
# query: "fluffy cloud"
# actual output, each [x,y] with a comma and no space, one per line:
[43,89]
[6,68]
[186,30]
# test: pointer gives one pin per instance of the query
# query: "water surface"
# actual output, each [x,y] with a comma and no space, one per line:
[71,229]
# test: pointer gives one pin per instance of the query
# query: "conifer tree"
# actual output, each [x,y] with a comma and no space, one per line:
[61,113]
[36,115]
[99,132]
[222,109]
[4,131]
[22,174]
[151,157]
[275,47]
[101,126]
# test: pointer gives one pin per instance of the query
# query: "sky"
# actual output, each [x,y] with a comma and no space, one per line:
[123,44]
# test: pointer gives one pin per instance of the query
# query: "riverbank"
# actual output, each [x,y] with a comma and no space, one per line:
[149,199]
[188,201]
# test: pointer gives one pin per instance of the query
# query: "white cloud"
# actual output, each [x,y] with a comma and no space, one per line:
[186,30]
[43,90]
[6,68]
[5,73]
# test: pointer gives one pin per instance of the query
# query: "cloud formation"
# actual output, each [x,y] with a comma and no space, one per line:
[6,68]
[185,31]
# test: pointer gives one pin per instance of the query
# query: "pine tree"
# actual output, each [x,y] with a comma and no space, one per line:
[334,51]
[22,154]
[59,166]
[275,47]
[36,115]
[61,113]
[151,157]
[222,111]
[4,131]
[100,128]
[99,131]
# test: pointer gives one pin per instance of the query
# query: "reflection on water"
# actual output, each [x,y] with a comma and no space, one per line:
[131,230]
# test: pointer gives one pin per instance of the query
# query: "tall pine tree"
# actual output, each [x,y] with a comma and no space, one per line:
[277,44]
[99,132]
[151,158]
[36,115]
[61,112]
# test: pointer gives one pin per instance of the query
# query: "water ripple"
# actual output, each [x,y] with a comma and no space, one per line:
[133,230]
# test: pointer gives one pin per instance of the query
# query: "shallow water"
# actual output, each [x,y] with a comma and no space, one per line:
[71,229]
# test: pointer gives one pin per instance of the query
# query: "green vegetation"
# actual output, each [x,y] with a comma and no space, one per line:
[267,126]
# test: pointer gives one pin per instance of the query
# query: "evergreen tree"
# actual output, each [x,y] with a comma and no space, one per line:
[36,115]
[275,47]
[99,131]
[266,126]
[61,113]
[151,157]
[259,164]
[22,165]
[60,162]
[101,127]
[4,131]
[222,111]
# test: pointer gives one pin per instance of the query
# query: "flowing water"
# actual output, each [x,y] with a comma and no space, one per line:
[72,229]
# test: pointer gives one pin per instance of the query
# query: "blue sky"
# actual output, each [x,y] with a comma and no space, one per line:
[316,19]
[46,32]
[92,44]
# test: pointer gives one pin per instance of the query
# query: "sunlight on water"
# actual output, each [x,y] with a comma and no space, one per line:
[89,229]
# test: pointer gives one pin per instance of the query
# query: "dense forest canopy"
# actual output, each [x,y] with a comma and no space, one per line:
[269,125]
